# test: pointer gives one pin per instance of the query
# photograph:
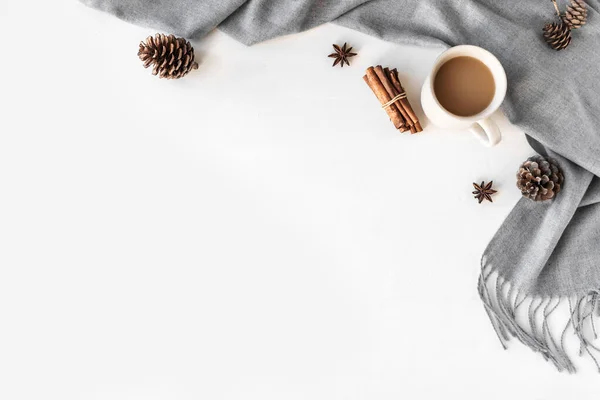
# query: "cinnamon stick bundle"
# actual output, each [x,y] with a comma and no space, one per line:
[383,96]
[386,86]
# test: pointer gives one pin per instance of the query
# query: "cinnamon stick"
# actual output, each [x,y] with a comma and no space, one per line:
[393,92]
[382,95]
[404,102]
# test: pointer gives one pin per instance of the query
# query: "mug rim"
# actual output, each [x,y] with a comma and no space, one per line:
[498,73]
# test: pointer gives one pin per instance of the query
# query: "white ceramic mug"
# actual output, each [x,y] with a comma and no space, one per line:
[479,124]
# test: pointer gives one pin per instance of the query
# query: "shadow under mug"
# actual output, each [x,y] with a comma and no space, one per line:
[479,124]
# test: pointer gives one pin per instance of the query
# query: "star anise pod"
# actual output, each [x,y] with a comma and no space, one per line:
[484,191]
[341,55]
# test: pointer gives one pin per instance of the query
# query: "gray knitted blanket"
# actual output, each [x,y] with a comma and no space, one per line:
[544,254]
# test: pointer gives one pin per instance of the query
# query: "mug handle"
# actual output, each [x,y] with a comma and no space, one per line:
[487,131]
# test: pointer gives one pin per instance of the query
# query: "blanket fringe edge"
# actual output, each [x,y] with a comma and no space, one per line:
[502,300]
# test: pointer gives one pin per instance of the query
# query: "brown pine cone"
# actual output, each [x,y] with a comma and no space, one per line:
[172,57]
[557,35]
[539,178]
[576,14]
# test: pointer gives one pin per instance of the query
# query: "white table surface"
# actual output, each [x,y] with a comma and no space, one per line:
[257,230]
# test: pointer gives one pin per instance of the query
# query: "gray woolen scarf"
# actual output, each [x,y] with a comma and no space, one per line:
[544,254]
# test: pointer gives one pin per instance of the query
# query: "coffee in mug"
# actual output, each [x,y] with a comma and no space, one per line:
[464,86]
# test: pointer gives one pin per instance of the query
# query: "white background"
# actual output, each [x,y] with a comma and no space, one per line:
[257,230]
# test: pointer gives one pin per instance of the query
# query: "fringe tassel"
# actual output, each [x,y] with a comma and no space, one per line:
[502,301]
